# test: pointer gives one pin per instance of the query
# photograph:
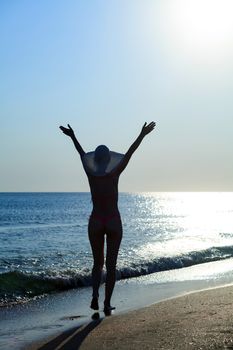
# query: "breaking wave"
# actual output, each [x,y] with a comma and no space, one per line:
[16,286]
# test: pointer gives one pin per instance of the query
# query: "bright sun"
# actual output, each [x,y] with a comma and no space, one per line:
[202,27]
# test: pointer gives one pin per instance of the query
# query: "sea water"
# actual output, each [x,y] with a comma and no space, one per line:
[44,245]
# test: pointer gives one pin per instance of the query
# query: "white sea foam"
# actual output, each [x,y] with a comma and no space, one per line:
[44,235]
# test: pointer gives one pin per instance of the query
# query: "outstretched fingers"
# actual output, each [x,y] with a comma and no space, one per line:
[62,128]
[148,128]
[151,125]
[67,131]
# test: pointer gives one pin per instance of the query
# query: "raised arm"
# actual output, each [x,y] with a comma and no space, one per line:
[146,129]
[69,132]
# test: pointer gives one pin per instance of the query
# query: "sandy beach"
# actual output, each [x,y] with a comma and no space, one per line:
[200,320]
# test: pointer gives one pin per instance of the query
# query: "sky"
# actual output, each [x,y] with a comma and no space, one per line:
[105,67]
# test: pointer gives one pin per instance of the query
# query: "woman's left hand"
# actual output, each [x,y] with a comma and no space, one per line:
[67,131]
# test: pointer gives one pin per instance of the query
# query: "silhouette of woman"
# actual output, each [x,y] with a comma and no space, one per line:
[103,169]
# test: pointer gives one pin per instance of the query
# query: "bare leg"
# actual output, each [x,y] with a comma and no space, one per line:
[114,236]
[96,237]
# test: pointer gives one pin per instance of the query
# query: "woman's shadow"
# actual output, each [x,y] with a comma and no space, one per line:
[73,338]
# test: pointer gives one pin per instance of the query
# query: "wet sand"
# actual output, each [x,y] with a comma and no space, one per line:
[200,320]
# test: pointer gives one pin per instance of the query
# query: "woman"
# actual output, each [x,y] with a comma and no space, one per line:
[103,169]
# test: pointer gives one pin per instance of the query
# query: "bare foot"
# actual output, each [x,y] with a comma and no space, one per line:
[108,308]
[94,303]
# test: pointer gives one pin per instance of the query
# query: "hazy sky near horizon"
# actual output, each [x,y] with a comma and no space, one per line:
[105,67]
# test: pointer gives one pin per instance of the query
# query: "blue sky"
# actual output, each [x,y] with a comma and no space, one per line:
[105,67]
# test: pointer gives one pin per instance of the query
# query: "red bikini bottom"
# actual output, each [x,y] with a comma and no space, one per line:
[104,219]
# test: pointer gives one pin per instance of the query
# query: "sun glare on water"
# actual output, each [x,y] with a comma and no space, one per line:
[191,221]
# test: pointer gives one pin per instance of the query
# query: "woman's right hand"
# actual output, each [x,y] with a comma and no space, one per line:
[67,131]
[146,129]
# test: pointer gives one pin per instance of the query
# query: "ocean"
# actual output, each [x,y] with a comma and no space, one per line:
[44,247]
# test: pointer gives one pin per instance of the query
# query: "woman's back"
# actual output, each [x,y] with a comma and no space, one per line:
[104,192]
